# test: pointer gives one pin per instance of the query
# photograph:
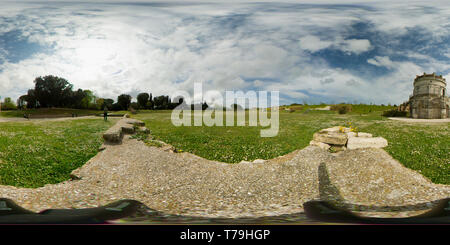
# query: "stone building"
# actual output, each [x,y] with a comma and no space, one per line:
[429,98]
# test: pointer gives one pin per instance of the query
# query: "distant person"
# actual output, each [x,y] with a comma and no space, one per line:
[105,114]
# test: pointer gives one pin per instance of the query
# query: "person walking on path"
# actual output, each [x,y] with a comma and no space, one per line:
[105,114]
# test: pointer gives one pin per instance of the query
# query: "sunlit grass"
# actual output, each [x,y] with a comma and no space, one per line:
[33,154]
[423,147]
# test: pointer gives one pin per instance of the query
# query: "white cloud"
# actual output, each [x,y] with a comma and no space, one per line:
[381,61]
[159,49]
[356,46]
[314,44]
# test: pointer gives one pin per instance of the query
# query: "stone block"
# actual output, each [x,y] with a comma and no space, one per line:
[127,128]
[366,142]
[331,137]
[113,134]
[360,134]
[133,122]
[319,144]
[123,126]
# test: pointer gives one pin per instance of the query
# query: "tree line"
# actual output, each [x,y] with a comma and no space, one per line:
[52,91]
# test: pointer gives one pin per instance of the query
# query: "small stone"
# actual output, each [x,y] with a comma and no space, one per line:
[244,162]
[338,148]
[74,177]
[102,147]
[259,161]
[319,144]
[144,130]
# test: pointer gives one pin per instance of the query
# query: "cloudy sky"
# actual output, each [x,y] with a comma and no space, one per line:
[313,52]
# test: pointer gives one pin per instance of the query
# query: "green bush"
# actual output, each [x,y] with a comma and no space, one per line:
[8,104]
[395,113]
[341,108]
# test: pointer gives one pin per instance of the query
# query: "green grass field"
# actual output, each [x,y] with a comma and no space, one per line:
[33,154]
[422,147]
[45,111]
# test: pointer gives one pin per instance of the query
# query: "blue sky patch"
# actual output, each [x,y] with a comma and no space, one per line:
[314,52]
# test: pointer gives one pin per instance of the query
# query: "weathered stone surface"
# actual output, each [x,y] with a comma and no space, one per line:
[366,142]
[133,121]
[337,148]
[144,130]
[102,147]
[244,162]
[429,100]
[335,129]
[319,144]
[127,128]
[350,134]
[74,177]
[123,126]
[332,129]
[360,134]
[331,137]
[259,161]
[113,134]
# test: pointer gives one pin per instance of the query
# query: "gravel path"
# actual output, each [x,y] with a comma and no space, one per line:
[182,183]
[419,120]
[19,119]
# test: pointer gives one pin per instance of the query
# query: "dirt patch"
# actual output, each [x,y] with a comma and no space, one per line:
[417,120]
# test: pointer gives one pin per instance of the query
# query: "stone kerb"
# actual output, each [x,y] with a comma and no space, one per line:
[126,125]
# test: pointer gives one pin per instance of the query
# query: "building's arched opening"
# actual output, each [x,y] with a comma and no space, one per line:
[448,111]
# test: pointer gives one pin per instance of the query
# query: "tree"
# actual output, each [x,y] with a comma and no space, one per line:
[31,99]
[115,107]
[161,102]
[108,103]
[21,102]
[76,99]
[51,91]
[150,105]
[99,103]
[8,104]
[134,105]
[124,101]
[142,99]
[88,101]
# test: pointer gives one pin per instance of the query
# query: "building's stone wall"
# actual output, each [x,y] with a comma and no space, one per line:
[429,98]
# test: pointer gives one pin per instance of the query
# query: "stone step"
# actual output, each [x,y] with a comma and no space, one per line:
[123,126]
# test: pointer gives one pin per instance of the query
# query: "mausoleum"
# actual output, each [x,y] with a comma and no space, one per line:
[429,98]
